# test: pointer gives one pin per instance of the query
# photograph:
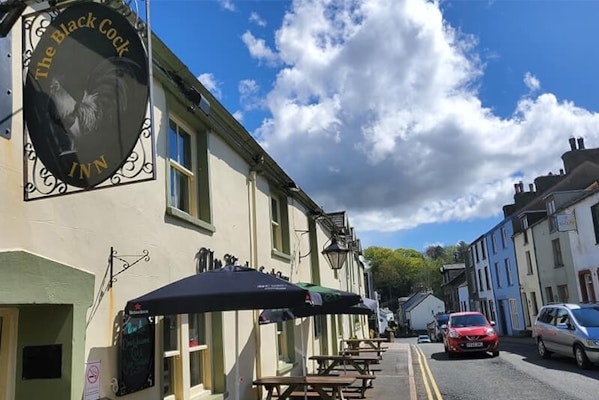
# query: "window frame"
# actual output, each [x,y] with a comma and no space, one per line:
[595,217]
[279,220]
[200,208]
[558,260]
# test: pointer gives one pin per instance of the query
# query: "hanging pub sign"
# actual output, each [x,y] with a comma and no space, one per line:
[86,94]
[136,355]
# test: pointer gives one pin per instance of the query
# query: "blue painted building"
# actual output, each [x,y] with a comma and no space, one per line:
[504,278]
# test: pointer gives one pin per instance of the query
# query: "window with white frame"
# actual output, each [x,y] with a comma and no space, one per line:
[552,218]
[515,316]
[199,357]
[557,253]
[498,273]
[480,280]
[188,190]
[508,272]
[285,343]
[562,293]
[182,177]
[503,237]
[171,371]
[529,270]
[186,358]
[279,223]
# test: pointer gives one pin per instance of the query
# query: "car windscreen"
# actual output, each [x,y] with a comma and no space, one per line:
[460,321]
[587,316]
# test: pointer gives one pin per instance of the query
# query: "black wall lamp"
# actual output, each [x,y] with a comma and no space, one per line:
[336,254]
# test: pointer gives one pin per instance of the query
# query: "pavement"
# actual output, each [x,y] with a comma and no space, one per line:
[395,380]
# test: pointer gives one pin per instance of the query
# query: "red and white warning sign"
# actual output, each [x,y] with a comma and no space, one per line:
[92,380]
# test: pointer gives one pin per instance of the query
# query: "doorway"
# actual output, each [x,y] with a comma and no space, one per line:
[8,352]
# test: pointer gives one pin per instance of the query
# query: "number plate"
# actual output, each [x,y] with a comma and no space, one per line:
[474,344]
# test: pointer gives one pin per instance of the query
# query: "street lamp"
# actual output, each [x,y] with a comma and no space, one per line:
[336,254]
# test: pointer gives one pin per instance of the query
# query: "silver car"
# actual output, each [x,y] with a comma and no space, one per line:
[571,330]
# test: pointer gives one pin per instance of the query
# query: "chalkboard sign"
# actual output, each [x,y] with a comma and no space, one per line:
[136,355]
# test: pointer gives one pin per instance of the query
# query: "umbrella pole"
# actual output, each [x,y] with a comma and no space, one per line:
[237,354]
[304,356]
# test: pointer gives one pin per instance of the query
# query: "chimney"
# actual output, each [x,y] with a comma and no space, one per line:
[516,188]
[561,171]
[531,187]
[521,186]
[572,143]
[580,143]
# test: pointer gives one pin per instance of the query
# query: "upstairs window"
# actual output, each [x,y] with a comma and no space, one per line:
[508,272]
[551,215]
[529,270]
[503,237]
[181,169]
[279,223]
[498,273]
[557,253]
[188,190]
[595,215]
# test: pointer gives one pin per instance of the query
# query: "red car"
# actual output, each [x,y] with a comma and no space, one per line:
[470,332]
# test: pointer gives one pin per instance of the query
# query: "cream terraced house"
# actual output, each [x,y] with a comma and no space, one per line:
[71,259]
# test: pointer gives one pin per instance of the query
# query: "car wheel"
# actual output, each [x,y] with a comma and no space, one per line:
[496,353]
[581,357]
[543,352]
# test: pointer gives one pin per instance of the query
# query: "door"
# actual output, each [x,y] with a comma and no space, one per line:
[8,351]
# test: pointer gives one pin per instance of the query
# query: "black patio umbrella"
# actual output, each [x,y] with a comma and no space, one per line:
[227,289]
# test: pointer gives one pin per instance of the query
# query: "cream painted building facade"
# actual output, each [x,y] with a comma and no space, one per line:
[212,188]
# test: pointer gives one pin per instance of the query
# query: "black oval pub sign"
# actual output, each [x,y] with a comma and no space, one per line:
[86,94]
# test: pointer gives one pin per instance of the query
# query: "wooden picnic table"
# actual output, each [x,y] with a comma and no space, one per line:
[325,386]
[373,343]
[362,350]
[360,363]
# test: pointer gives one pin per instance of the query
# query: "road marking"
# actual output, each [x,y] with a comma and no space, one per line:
[427,376]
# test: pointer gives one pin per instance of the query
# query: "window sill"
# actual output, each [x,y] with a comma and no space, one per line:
[281,255]
[182,215]
[210,396]
[284,368]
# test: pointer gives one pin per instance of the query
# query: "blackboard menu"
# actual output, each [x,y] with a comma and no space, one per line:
[136,354]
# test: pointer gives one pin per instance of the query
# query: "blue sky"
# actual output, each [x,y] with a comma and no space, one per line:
[415,117]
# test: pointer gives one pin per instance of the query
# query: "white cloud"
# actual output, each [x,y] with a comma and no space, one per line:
[531,82]
[259,49]
[227,5]
[238,115]
[377,100]
[257,19]
[210,82]
[249,95]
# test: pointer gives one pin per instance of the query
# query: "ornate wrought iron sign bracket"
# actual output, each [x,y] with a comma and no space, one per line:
[124,258]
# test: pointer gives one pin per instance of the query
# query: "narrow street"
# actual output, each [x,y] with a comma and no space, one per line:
[518,373]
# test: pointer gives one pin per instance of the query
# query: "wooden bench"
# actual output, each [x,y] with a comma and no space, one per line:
[366,383]
[315,395]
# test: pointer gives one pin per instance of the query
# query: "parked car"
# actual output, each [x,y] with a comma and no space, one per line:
[424,339]
[439,321]
[571,330]
[470,332]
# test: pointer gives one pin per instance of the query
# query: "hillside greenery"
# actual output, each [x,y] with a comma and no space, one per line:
[402,272]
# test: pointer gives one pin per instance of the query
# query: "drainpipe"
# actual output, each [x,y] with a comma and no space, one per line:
[254,262]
